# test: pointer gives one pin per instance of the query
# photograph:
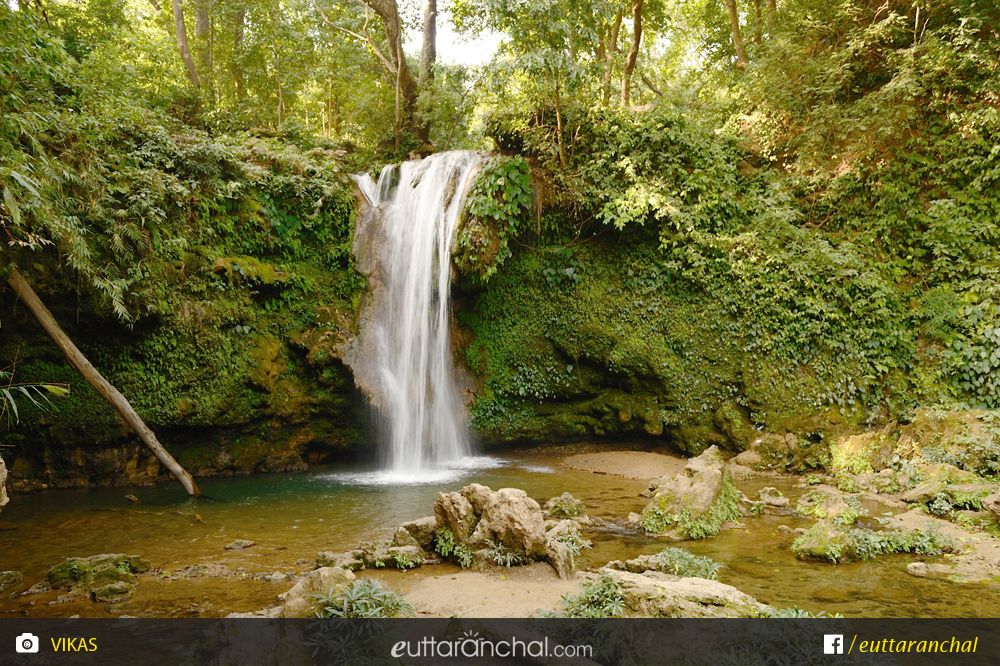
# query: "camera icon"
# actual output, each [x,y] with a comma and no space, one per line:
[27,643]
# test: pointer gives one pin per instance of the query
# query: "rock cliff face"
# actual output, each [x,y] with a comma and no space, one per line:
[222,399]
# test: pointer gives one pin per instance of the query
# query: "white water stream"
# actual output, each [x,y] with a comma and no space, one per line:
[418,206]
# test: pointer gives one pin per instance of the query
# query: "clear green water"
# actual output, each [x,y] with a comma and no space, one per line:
[294,516]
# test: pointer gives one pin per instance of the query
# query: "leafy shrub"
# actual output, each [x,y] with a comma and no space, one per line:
[403,561]
[463,556]
[495,208]
[444,541]
[504,556]
[566,506]
[365,598]
[601,597]
[679,562]
[575,543]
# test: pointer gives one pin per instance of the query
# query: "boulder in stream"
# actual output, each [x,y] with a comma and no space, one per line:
[105,578]
[10,578]
[503,527]
[695,503]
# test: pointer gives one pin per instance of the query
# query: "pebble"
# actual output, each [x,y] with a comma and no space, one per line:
[918,569]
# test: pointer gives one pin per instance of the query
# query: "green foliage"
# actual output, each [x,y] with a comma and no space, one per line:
[601,597]
[846,544]
[8,406]
[463,556]
[503,556]
[444,541]
[679,562]
[977,453]
[575,543]
[403,561]
[496,206]
[365,598]
[797,613]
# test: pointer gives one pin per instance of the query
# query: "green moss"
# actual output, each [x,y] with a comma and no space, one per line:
[837,543]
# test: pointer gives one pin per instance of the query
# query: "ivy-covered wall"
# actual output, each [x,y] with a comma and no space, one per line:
[669,282]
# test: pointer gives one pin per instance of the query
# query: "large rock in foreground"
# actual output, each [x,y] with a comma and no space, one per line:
[480,518]
[504,526]
[658,594]
[696,503]
[302,601]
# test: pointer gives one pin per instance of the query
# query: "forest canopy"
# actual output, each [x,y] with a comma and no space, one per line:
[861,136]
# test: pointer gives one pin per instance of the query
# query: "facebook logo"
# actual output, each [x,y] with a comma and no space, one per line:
[833,644]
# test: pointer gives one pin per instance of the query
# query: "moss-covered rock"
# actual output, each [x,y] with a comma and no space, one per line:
[10,579]
[101,577]
[694,504]
[565,506]
[830,504]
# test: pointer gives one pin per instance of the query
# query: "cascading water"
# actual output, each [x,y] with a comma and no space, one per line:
[411,376]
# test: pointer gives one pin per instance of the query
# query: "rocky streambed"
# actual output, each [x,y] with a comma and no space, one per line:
[705,537]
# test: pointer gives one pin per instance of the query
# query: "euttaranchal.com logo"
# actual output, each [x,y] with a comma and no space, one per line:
[472,646]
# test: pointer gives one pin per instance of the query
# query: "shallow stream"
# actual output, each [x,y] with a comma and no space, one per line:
[293,516]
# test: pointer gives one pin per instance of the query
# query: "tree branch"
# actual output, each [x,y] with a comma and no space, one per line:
[367,38]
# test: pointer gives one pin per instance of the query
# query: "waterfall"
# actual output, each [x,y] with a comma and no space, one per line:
[409,372]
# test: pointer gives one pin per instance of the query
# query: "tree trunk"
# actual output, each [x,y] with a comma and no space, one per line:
[203,38]
[428,54]
[237,70]
[388,11]
[277,74]
[734,21]
[559,132]
[109,392]
[182,44]
[758,23]
[771,9]
[633,52]
[612,48]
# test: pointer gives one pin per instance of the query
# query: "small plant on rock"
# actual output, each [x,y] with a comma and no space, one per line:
[575,543]
[403,561]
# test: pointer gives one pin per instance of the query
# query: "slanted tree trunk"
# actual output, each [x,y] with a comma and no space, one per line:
[109,392]
[633,52]
[734,22]
[182,44]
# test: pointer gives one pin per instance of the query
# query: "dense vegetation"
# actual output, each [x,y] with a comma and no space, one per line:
[703,219]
